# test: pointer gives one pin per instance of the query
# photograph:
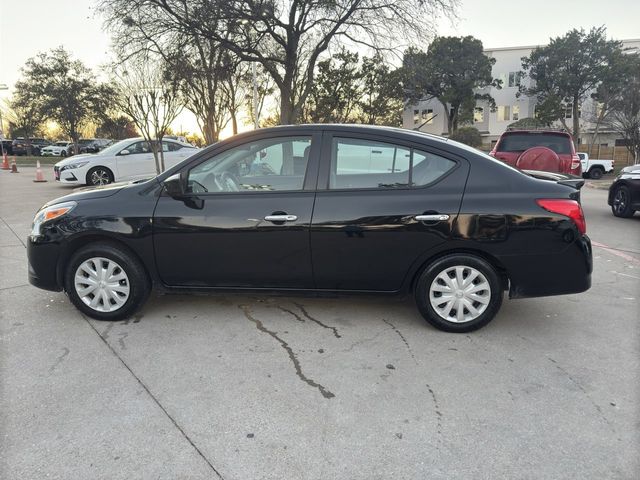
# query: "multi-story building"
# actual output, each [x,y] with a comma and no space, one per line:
[429,115]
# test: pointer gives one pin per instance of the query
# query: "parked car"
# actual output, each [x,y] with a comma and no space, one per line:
[129,159]
[58,149]
[547,150]
[21,146]
[594,168]
[624,192]
[7,146]
[92,145]
[322,208]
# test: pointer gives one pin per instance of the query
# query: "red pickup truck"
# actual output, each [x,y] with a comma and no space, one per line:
[546,150]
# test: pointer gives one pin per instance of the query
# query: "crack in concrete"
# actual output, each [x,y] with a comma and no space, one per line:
[16,286]
[122,336]
[65,352]
[364,340]
[290,312]
[155,400]
[292,356]
[13,231]
[583,390]
[306,314]
[404,340]
[437,409]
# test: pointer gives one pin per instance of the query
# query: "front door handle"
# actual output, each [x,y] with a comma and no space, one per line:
[436,217]
[281,218]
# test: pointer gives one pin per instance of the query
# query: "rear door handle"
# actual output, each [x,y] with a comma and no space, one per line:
[281,218]
[436,217]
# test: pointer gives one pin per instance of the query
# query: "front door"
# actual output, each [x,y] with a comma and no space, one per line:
[245,219]
[380,206]
[136,161]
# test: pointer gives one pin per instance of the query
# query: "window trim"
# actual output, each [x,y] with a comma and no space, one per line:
[310,176]
[324,174]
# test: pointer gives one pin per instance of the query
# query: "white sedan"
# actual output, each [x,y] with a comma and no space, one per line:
[130,159]
[58,149]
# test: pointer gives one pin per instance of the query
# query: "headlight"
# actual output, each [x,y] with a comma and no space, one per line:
[74,165]
[49,213]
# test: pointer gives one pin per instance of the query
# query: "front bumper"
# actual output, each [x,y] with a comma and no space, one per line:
[72,177]
[43,264]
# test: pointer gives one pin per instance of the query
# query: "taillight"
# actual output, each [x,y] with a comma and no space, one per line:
[575,162]
[566,207]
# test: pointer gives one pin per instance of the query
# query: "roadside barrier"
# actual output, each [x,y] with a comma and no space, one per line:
[5,162]
[14,167]
[39,174]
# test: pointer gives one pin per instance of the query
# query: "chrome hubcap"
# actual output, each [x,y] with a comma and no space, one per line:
[102,284]
[460,294]
[100,177]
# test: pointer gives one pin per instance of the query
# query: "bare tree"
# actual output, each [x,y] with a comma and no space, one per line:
[150,98]
[287,37]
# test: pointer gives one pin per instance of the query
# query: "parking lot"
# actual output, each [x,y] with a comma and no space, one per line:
[260,387]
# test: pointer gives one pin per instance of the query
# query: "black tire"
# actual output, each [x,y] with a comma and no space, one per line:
[469,263]
[137,280]
[596,173]
[99,176]
[621,204]
[63,153]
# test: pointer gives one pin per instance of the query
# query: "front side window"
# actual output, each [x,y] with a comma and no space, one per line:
[138,148]
[357,164]
[274,164]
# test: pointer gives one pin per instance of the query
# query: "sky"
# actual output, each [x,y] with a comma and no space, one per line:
[28,27]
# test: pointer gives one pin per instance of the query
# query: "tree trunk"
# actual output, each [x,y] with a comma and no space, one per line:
[576,120]
[287,114]
[234,122]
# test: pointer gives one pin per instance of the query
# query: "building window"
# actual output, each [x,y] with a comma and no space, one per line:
[503,79]
[568,110]
[427,116]
[514,79]
[515,113]
[504,113]
[478,114]
[416,117]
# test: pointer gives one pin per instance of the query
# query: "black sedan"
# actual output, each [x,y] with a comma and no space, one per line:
[624,192]
[320,208]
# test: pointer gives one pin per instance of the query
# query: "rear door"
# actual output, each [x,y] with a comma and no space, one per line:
[381,204]
[175,152]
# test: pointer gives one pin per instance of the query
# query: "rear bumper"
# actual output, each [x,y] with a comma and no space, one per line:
[545,275]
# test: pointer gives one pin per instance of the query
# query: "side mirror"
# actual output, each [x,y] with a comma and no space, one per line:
[124,152]
[174,186]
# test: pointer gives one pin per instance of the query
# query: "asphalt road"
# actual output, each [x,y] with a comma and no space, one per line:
[239,387]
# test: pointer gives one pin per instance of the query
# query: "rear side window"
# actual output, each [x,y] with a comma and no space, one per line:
[357,163]
[519,142]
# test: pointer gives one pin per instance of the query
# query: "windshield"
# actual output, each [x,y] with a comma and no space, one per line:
[116,147]
[519,142]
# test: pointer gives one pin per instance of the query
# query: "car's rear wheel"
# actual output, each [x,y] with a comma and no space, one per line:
[596,173]
[99,176]
[621,205]
[458,293]
[63,153]
[106,282]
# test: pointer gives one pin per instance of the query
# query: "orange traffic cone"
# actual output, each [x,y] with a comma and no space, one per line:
[14,167]
[39,174]
[5,162]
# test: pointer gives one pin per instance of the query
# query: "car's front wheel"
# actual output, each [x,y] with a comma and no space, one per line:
[621,206]
[459,293]
[99,176]
[106,282]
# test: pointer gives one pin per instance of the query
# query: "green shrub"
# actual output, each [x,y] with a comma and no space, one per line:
[467,135]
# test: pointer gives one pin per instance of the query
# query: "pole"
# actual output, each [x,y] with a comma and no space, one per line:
[256,122]
[2,130]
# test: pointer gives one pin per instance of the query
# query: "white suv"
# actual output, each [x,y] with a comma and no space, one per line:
[58,149]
